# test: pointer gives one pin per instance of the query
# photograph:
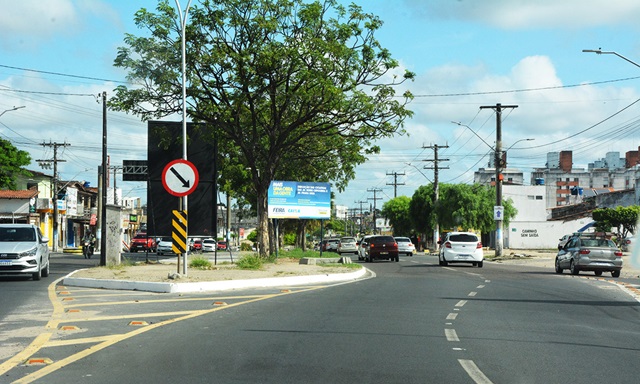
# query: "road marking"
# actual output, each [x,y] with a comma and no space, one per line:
[461,303]
[452,316]
[480,286]
[474,372]
[451,334]
[471,294]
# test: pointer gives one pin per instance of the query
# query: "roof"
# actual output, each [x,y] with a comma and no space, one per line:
[20,194]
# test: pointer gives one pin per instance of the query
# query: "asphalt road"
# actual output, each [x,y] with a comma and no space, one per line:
[415,322]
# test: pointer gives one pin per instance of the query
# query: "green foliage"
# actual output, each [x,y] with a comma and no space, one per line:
[459,206]
[397,211]
[199,262]
[245,247]
[289,238]
[623,219]
[253,236]
[11,162]
[251,262]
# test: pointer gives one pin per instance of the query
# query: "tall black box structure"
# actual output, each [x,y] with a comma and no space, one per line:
[164,146]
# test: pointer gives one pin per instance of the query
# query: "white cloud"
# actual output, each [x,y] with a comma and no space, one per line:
[523,14]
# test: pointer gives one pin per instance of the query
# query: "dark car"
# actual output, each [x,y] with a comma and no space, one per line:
[381,247]
[589,252]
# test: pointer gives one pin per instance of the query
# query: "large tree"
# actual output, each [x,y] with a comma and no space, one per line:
[623,219]
[12,160]
[292,90]
[397,211]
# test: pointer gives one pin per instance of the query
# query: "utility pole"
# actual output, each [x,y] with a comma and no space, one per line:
[395,182]
[361,217]
[54,192]
[498,209]
[103,179]
[436,168]
[374,198]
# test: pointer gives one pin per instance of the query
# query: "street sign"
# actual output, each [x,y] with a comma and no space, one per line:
[498,212]
[180,177]
[179,232]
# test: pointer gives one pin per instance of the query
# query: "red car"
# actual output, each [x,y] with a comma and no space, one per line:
[222,245]
[197,246]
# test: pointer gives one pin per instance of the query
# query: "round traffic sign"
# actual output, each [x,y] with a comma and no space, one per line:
[180,177]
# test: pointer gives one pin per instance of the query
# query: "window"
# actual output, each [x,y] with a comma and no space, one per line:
[538,197]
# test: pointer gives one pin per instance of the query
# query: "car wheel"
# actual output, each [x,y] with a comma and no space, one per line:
[558,269]
[397,258]
[574,268]
[37,275]
[45,271]
[444,262]
[615,273]
[598,273]
[480,263]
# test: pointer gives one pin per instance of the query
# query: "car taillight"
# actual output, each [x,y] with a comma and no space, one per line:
[479,245]
[628,241]
[584,252]
[618,253]
[447,244]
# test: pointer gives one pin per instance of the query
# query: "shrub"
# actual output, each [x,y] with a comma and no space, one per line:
[253,262]
[246,247]
[200,262]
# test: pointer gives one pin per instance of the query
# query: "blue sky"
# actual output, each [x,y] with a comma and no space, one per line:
[466,54]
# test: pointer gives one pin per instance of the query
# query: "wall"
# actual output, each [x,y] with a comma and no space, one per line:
[540,234]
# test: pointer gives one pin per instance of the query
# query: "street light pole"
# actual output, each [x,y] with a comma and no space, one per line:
[183,201]
[12,109]
[601,52]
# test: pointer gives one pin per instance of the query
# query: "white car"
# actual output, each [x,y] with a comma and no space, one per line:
[23,250]
[405,246]
[209,245]
[164,246]
[362,245]
[347,245]
[461,247]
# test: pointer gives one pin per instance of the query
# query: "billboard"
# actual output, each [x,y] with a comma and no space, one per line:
[299,200]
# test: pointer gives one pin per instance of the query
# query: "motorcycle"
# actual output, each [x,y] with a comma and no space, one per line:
[87,248]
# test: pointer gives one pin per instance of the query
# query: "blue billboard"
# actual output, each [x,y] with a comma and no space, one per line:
[299,200]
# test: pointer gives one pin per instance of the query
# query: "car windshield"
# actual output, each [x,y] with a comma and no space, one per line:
[382,239]
[597,243]
[403,240]
[463,238]
[17,234]
[348,240]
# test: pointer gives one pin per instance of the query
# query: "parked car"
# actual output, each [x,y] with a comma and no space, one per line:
[209,245]
[164,246]
[141,242]
[461,247]
[347,245]
[23,250]
[330,245]
[362,245]
[405,246]
[627,244]
[222,246]
[381,247]
[563,240]
[197,246]
[589,252]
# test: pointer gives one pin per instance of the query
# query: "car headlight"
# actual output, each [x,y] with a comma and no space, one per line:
[32,252]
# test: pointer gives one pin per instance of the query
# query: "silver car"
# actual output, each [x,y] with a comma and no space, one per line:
[347,245]
[405,246]
[589,253]
[23,250]
[362,246]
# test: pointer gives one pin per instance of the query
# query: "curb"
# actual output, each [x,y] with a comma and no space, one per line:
[225,285]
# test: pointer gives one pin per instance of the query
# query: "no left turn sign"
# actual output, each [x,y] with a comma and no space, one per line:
[180,177]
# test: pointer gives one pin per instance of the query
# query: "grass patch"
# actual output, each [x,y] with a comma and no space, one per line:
[250,262]
[297,253]
[199,262]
